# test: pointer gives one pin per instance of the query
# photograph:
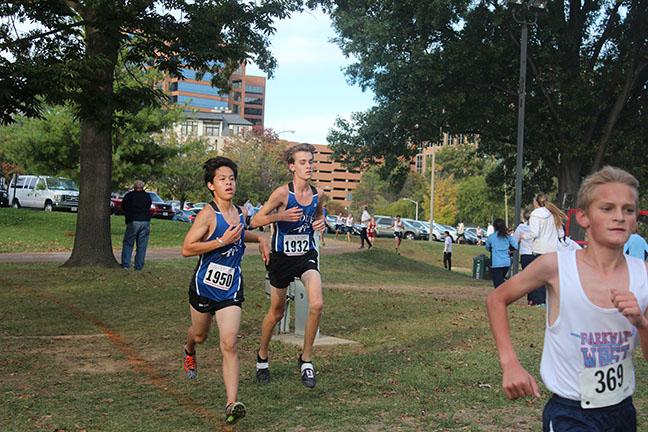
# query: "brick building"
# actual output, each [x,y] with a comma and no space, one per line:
[337,181]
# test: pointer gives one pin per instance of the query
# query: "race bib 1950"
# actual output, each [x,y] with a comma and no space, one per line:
[606,385]
[219,276]
[296,244]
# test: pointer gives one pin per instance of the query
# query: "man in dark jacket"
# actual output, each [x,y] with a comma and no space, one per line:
[136,206]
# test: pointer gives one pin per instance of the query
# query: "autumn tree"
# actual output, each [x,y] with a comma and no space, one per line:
[69,52]
[260,157]
[452,66]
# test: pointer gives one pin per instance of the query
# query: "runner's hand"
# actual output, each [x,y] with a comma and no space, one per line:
[319,224]
[264,249]
[626,303]
[292,214]
[517,383]
[232,234]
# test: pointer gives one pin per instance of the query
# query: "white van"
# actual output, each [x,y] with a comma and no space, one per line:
[44,192]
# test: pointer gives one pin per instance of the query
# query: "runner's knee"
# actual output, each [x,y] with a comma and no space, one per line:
[200,337]
[316,306]
[277,313]
[228,344]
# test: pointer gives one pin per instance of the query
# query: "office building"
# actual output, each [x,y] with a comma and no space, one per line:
[246,97]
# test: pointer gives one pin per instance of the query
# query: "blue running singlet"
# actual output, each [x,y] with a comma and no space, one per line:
[218,273]
[296,238]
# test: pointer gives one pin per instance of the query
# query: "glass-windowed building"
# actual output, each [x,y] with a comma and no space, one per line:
[246,97]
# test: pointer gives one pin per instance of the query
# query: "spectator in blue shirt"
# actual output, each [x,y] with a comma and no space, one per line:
[499,245]
[636,246]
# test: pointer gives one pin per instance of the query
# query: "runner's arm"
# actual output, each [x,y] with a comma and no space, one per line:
[320,221]
[277,199]
[627,304]
[516,381]
[264,247]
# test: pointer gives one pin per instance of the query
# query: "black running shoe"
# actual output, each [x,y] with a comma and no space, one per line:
[234,412]
[262,371]
[307,373]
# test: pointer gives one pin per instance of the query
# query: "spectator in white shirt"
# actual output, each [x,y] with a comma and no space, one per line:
[349,226]
[545,222]
[447,252]
[524,240]
[364,221]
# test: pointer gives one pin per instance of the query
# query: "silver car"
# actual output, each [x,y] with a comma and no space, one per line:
[385,228]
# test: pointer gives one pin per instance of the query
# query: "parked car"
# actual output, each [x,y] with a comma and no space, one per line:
[330,224]
[385,228]
[452,230]
[470,236]
[43,192]
[4,198]
[423,227]
[175,205]
[438,231]
[159,208]
[198,206]
[188,216]
[472,233]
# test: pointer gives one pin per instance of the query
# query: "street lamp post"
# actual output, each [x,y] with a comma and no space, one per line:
[432,169]
[415,202]
[528,19]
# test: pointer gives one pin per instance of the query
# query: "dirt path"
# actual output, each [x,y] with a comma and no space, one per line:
[333,247]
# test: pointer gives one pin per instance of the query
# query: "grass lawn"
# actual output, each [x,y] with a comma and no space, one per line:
[100,350]
[27,230]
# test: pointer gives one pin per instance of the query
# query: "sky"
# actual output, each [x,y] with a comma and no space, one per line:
[308,90]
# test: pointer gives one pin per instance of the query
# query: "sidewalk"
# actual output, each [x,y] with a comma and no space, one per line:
[333,247]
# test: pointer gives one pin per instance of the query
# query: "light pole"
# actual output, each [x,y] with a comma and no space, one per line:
[432,169]
[412,201]
[528,18]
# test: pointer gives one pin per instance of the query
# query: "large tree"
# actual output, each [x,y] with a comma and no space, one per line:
[70,52]
[50,144]
[260,157]
[452,65]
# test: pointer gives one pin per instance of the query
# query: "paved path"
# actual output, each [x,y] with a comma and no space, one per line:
[333,247]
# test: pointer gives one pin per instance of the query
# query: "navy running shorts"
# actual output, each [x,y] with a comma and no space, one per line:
[566,415]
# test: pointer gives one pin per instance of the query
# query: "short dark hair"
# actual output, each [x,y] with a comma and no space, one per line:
[447,232]
[213,164]
[289,156]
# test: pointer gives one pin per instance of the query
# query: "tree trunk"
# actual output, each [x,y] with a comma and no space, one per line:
[569,178]
[92,242]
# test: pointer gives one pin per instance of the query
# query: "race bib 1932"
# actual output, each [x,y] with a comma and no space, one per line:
[219,276]
[606,385]
[296,244]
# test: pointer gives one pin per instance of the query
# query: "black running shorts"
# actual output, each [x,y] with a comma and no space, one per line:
[206,305]
[283,269]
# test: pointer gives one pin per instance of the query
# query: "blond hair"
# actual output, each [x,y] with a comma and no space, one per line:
[558,215]
[605,175]
[289,156]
